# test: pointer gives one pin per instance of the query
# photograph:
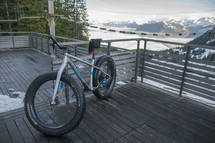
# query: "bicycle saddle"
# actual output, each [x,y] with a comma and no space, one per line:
[94,44]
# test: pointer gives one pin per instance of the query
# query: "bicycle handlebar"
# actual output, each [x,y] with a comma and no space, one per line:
[55,42]
[69,50]
[94,43]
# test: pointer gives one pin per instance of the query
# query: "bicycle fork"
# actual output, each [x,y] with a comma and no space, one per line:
[59,74]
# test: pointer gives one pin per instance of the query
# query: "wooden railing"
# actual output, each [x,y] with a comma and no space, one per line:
[179,72]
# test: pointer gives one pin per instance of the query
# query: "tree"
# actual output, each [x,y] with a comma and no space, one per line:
[72,27]
[6,14]
[75,12]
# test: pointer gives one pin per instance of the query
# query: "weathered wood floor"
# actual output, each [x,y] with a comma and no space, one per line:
[19,67]
[135,113]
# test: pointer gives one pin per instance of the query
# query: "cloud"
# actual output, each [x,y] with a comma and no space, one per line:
[139,9]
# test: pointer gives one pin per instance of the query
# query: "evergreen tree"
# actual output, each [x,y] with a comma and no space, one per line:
[211,57]
[32,9]
[75,12]
[5,8]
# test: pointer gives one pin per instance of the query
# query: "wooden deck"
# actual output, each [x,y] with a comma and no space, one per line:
[19,67]
[135,113]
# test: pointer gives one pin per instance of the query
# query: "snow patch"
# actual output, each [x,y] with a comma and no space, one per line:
[210,41]
[120,83]
[7,103]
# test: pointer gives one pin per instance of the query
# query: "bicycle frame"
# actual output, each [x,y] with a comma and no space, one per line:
[66,61]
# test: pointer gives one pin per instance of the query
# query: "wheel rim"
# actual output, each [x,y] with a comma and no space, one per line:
[106,82]
[54,116]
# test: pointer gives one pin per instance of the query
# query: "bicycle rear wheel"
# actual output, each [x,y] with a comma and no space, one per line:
[106,63]
[56,119]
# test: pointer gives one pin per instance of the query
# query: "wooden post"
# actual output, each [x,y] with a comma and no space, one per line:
[51,19]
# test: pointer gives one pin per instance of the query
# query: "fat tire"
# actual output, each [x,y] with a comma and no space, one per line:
[29,100]
[98,63]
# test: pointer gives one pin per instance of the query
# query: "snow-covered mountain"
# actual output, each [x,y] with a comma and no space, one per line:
[195,26]
[208,39]
[163,27]
[204,21]
[187,27]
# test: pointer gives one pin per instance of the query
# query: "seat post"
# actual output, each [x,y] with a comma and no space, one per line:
[93,54]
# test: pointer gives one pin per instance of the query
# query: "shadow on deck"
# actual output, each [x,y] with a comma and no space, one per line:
[135,113]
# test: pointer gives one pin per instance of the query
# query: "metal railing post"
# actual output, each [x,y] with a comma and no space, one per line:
[137,60]
[41,40]
[48,48]
[185,69]
[13,41]
[143,62]
[55,52]
[109,48]
[76,50]
[36,43]
[30,44]
[32,41]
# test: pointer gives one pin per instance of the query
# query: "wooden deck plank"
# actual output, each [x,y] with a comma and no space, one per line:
[4,135]
[123,140]
[63,139]
[83,136]
[105,120]
[14,132]
[73,137]
[24,131]
[96,128]
[186,111]
[99,127]
[12,70]
[193,106]
[40,138]
[153,119]
[152,136]
[170,120]
[184,121]
[130,136]
[20,67]
[115,116]
[115,141]
[92,133]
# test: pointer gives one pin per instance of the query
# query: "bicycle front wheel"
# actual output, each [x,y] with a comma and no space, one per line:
[107,64]
[67,111]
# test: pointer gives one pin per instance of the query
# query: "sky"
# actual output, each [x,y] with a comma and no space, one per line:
[143,10]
